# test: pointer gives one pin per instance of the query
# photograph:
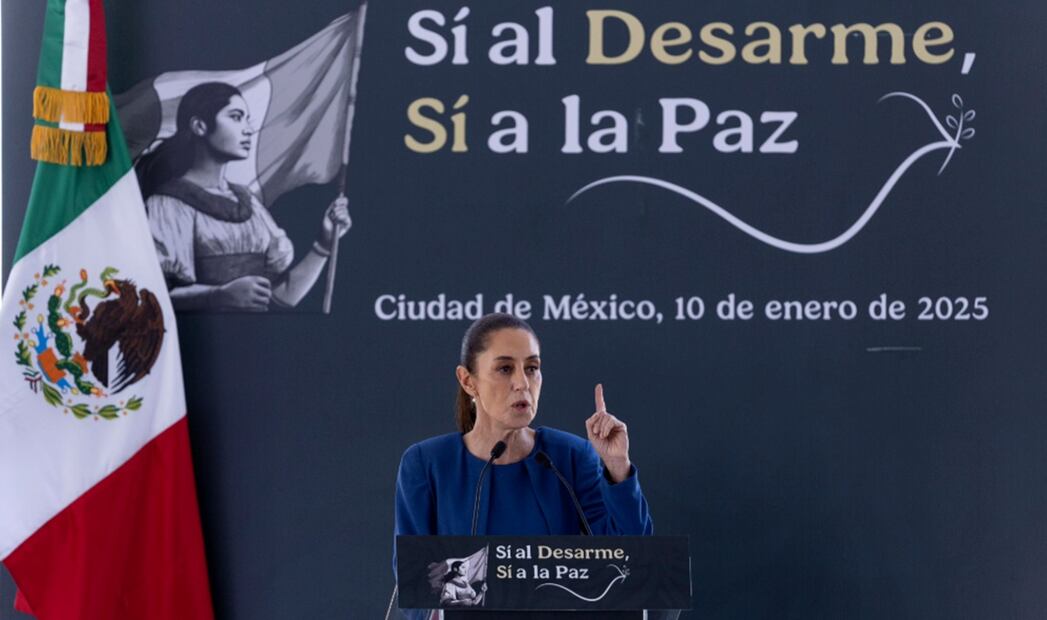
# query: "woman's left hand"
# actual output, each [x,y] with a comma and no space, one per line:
[336,217]
[610,439]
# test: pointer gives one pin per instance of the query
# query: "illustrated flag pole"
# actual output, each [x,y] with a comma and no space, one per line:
[350,112]
[98,510]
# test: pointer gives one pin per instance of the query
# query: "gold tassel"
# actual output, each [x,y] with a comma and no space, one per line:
[56,106]
[68,148]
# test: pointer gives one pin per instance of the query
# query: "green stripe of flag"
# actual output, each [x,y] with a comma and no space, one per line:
[49,72]
[61,193]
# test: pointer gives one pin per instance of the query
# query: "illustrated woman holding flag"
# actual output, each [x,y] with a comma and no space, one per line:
[218,246]
[457,591]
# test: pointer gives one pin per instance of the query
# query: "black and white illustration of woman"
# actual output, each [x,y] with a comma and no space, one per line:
[218,245]
[457,591]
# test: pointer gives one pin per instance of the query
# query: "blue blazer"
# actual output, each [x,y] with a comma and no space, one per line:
[435,489]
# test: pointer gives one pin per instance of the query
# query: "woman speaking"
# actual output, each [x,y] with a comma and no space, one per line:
[500,381]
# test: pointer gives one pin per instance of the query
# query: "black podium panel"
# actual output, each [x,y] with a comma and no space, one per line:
[515,577]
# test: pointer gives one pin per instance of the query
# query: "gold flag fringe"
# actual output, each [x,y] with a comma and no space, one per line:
[70,106]
[67,147]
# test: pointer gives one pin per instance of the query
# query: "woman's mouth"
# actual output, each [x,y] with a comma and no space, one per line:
[521,406]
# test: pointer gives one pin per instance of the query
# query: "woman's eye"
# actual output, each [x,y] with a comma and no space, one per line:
[505,369]
[532,369]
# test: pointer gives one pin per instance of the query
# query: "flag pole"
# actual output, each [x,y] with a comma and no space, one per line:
[355,50]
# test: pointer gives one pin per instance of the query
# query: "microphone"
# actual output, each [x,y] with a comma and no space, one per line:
[496,451]
[544,459]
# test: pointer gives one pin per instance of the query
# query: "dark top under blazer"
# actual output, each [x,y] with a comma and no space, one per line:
[435,489]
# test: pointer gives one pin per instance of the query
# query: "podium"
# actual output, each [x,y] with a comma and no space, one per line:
[544,577]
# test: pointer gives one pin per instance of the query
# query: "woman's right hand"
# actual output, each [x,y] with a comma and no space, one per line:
[245,293]
[336,220]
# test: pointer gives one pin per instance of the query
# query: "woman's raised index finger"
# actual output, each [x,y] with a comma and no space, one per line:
[600,405]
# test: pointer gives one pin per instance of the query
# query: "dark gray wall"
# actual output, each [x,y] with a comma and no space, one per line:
[816,476]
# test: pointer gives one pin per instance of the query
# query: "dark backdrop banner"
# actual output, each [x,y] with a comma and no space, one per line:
[800,243]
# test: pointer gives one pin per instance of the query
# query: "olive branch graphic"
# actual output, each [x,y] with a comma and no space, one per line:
[948,141]
[623,572]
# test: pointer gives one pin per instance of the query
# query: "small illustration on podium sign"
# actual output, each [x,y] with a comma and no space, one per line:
[460,582]
[81,344]
[215,150]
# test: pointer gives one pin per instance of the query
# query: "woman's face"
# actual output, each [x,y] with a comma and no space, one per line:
[231,137]
[508,379]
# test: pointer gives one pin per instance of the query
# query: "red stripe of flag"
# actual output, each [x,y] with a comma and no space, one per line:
[21,604]
[130,548]
[96,49]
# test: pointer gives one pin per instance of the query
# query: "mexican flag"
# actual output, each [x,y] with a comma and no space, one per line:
[300,102]
[98,512]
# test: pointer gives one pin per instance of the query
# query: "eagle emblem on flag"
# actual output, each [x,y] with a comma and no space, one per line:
[82,344]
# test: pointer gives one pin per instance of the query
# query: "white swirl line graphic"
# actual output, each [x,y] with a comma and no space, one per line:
[622,574]
[948,142]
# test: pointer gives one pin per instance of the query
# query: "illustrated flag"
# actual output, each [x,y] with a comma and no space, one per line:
[98,511]
[299,103]
[474,568]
